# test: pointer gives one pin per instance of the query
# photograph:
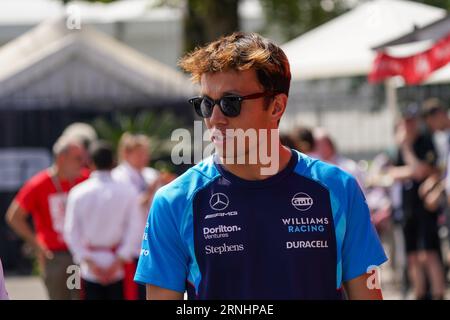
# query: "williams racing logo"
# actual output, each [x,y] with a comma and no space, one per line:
[302,201]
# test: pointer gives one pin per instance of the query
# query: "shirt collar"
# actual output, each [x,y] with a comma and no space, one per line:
[101,174]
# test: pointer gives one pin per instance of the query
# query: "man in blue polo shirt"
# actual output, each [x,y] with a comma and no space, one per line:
[226,229]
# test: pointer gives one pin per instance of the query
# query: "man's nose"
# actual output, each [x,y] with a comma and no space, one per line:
[217,116]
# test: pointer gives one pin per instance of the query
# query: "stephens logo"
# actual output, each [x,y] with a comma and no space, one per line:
[219,201]
[302,201]
[224,249]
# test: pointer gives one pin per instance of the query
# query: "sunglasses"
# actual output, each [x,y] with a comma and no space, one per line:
[230,105]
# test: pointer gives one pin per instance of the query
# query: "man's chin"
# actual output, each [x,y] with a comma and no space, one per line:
[231,157]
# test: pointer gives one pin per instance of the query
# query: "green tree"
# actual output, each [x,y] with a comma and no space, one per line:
[104,1]
[294,17]
[206,20]
[444,4]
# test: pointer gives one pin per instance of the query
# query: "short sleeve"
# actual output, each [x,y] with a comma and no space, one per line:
[27,196]
[163,261]
[361,248]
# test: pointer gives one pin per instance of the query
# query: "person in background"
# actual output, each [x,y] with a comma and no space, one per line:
[437,121]
[86,134]
[415,161]
[102,227]
[134,157]
[326,151]
[304,141]
[3,292]
[436,117]
[434,190]
[44,196]
[286,140]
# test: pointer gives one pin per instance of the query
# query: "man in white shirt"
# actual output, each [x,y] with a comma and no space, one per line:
[134,156]
[102,227]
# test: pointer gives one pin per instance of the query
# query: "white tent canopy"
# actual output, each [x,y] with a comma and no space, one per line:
[342,47]
[52,60]
[38,10]
[12,11]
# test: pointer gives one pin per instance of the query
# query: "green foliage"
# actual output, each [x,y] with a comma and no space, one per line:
[444,4]
[295,17]
[207,20]
[104,1]
[156,125]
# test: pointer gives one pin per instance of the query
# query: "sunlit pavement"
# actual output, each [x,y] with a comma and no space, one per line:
[32,288]
[25,288]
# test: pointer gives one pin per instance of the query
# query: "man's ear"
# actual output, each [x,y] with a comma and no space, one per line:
[279,106]
[59,159]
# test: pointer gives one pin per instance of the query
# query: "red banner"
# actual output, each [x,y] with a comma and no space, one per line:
[414,69]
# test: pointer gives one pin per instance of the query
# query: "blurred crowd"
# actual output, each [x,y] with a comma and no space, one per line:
[89,210]
[90,207]
[407,189]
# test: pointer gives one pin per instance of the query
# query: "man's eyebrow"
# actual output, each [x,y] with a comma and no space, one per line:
[227,93]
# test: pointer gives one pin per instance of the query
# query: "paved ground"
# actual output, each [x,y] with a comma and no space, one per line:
[32,288]
[26,288]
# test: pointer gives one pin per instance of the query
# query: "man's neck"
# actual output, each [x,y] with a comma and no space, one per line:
[255,171]
[133,167]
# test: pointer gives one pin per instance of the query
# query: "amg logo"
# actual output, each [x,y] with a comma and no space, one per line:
[221,214]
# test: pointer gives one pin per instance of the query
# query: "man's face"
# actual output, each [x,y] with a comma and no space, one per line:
[324,148]
[71,162]
[437,121]
[139,157]
[255,114]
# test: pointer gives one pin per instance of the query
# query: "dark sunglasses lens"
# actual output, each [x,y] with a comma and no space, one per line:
[230,106]
[196,102]
[206,107]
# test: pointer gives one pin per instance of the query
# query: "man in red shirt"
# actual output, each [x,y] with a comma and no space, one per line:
[44,197]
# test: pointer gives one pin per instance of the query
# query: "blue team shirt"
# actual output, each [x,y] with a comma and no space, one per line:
[296,235]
